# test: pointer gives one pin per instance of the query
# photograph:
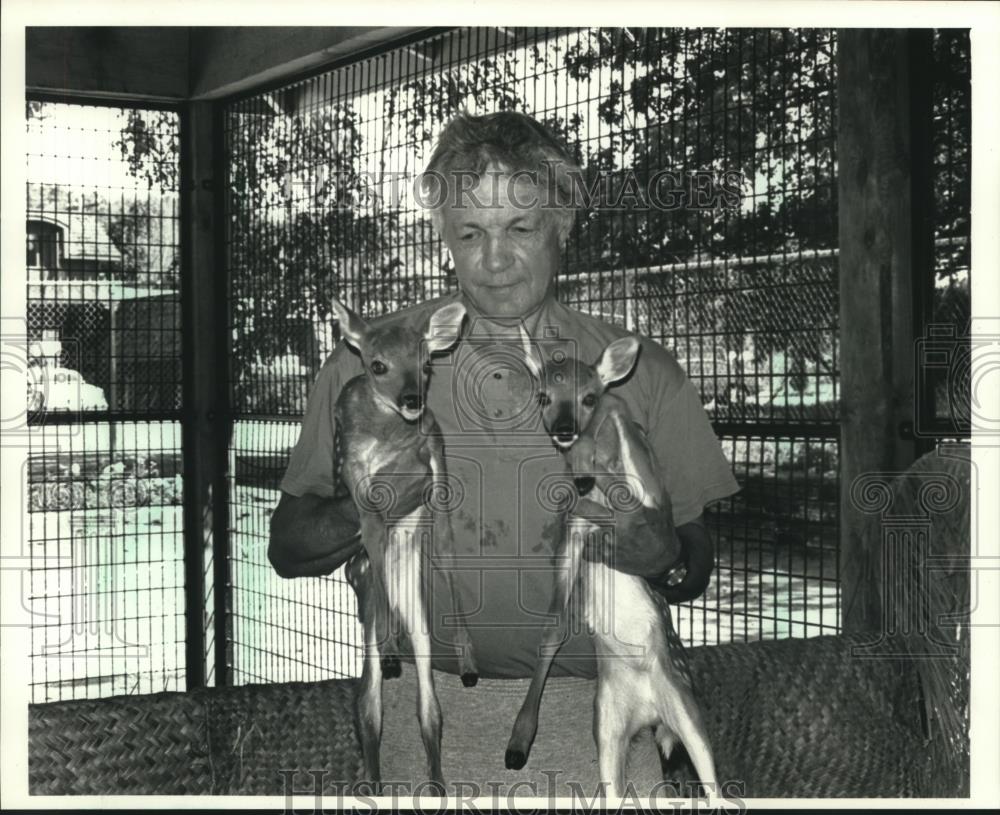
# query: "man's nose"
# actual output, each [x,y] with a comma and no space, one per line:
[497,256]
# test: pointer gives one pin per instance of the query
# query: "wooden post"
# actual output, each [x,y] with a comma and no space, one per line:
[206,428]
[876,306]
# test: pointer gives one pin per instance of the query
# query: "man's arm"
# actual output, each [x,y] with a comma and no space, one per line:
[313,535]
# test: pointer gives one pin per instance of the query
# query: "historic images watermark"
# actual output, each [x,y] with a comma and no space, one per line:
[493,392]
[79,591]
[48,387]
[908,566]
[958,374]
[551,187]
[526,795]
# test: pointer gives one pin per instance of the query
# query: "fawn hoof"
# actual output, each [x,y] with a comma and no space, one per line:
[515,759]
[367,788]
[391,667]
[470,679]
[584,484]
[433,787]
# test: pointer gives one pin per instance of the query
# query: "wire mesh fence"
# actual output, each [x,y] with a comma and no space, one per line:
[103,487]
[713,231]
[741,283]
[281,630]
[948,313]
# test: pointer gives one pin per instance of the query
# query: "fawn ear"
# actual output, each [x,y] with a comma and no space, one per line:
[617,360]
[352,327]
[444,327]
[531,356]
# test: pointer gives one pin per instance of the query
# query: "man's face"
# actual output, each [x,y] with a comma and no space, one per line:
[506,253]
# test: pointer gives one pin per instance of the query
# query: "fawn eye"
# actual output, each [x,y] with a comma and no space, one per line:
[589,400]
[379,367]
[543,399]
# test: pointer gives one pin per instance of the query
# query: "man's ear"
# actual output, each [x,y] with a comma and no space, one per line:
[352,327]
[531,356]
[617,360]
[564,225]
[444,327]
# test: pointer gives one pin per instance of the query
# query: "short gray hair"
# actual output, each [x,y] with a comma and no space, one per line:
[512,143]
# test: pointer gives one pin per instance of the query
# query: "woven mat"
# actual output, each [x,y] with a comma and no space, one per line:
[792,718]
[251,740]
[806,718]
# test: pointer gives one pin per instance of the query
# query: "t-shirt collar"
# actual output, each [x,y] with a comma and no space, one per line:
[546,315]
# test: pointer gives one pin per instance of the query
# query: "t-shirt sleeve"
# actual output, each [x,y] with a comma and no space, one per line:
[695,470]
[310,467]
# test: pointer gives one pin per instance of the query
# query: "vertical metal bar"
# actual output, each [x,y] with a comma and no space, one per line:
[205,430]
[222,410]
[194,545]
[921,69]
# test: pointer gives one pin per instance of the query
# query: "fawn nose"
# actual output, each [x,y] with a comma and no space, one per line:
[564,432]
[412,401]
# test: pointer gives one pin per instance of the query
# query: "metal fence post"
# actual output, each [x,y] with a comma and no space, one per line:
[206,425]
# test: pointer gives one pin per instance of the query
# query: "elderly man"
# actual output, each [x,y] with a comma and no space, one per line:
[503,213]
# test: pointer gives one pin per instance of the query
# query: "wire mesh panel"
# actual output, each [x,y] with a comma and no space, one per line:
[103,486]
[281,630]
[777,574]
[945,389]
[709,164]
[733,132]
[711,228]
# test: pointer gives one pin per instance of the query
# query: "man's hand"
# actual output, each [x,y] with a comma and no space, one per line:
[635,539]
[396,494]
[688,578]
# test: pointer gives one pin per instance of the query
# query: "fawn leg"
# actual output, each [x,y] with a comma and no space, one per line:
[666,739]
[682,719]
[442,550]
[526,724]
[467,667]
[406,586]
[693,735]
[375,532]
[360,575]
[611,737]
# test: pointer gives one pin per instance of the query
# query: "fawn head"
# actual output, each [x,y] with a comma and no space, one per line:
[392,358]
[570,389]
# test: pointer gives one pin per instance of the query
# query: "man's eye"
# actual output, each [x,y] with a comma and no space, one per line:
[543,399]
[379,367]
[523,230]
[589,400]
